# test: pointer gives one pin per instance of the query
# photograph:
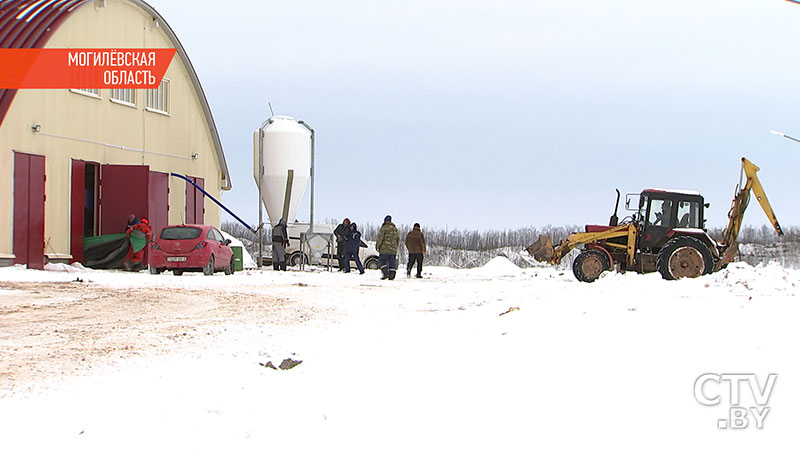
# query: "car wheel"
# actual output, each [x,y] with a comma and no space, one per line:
[230,268]
[372,264]
[177,272]
[295,259]
[209,268]
[154,271]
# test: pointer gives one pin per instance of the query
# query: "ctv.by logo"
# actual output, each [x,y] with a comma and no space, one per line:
[709,390]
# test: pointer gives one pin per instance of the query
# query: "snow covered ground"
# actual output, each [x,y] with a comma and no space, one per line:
[492,357]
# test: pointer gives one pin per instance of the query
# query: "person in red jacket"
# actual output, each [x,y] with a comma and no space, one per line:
[139,235]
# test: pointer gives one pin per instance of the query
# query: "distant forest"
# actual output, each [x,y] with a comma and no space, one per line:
[472,248]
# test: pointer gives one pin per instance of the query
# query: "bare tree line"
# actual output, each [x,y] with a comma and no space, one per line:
[462,248]
[764,235]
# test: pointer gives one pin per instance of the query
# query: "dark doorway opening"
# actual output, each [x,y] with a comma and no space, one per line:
[91,199]
[85,198]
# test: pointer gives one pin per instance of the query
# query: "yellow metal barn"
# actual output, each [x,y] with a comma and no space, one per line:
[75,163]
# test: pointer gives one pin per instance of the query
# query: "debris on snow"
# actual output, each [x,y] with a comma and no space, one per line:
[268,365]
[287,364]
[511,309]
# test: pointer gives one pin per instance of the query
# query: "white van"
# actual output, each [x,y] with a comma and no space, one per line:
[367,252]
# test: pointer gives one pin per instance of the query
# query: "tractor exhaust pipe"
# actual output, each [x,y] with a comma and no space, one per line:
[614,221]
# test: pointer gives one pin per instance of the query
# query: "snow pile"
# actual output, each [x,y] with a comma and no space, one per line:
[764,279]
[71,268]
[247,261]
[499,266]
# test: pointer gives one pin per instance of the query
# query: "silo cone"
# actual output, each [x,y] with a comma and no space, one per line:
[286,147]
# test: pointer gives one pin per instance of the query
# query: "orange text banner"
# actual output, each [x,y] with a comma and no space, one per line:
[93,68]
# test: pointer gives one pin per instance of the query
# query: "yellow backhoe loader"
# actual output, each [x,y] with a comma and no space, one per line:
[665,234]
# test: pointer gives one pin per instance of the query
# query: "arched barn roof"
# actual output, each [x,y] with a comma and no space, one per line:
[31,23]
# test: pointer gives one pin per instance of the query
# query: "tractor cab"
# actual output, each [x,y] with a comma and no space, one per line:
[663,210]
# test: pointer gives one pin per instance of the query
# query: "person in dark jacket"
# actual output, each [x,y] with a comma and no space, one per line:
[132,220]
[139,234]
[386,244]
[280,240]
[352,245]
[340,232]
[415,243]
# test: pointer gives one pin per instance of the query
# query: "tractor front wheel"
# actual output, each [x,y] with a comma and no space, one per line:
[684,257]
[588,266]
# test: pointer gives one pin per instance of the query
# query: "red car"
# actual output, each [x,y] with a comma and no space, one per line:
[191,248]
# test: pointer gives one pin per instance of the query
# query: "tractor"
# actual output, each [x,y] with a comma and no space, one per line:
[665,233]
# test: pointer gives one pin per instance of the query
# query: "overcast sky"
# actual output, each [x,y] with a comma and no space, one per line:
[494,115]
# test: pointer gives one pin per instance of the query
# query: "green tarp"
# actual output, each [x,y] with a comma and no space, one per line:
[138,240]
[105,252]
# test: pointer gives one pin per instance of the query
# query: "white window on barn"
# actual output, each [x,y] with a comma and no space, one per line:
[158,99]
[87,91]
[126,96]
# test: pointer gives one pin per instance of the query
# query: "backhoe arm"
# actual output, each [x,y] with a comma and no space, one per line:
[740,202]
[750,170]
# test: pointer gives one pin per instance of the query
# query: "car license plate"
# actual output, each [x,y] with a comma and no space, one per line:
[176,258]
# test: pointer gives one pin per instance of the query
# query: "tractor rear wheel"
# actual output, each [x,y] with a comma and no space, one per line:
[588,266]
[684,257]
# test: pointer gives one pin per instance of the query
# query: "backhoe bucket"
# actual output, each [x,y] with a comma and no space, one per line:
[727,256]
[542,249]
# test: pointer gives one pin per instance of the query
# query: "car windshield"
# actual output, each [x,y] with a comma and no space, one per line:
[180,233]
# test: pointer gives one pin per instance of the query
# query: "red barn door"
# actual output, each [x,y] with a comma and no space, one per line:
[29,197]
[124,190]
[194,201]
[159,202]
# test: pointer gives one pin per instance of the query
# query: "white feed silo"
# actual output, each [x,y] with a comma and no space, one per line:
[286,147]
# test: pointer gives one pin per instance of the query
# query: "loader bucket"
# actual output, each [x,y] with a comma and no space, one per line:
[542,249]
